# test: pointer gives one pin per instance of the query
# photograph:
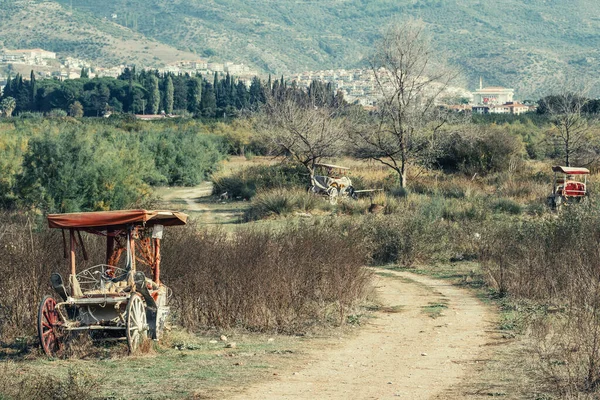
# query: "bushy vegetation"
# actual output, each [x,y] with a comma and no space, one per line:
[65,165]
[285,280]
[245,184]
[481,150]
[281,202]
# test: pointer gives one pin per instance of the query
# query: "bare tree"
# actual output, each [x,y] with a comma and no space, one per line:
[572,126]
[409,82]
[302,131]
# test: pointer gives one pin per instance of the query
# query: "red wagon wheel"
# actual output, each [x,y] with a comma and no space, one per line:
[49,324]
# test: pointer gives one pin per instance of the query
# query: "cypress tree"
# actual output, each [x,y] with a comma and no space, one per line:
[215,84]
[32,87]
[194,95]
[32,92]
[169,92]
[242,96]
[257,95]
[21,94]
[153,94]
[180,92]
[209,102]
[130,98]
[7,92]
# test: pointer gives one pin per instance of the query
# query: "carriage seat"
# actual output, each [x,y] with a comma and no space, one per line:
[573,188]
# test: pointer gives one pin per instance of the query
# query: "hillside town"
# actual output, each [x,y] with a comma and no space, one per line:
[357,85]
[47,65]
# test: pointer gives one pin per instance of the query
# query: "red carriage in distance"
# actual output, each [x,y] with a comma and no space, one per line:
[112,297]
[570,186]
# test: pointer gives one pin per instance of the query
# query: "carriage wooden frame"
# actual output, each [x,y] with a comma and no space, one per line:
[120,302]
[332,183]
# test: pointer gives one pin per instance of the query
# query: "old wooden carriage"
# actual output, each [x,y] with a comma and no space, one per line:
[114,297]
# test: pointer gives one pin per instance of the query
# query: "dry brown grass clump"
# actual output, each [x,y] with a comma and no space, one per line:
[282,280]
[22,384]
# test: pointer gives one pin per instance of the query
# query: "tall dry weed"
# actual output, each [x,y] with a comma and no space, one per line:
[264,280]
[554,261]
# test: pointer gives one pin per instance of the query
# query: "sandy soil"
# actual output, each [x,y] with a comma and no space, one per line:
[404,352]
[189,195]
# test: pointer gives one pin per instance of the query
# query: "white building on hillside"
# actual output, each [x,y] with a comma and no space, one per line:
[30,53]
[492,95]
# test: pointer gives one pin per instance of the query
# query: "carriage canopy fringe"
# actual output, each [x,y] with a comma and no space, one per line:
[116,219]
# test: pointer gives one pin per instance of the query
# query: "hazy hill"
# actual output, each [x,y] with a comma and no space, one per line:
[525,44]
[30,24]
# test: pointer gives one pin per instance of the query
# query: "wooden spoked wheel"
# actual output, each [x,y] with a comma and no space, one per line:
[137,326]
[333,195]
[49,327]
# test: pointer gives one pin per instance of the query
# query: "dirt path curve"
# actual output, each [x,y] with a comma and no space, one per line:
[406,354]
[189,195]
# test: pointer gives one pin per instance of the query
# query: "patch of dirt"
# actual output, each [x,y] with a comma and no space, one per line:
[199,202]
[406,354]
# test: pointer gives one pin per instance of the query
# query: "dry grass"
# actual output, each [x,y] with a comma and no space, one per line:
[285,280]
[183,366]
[552,262]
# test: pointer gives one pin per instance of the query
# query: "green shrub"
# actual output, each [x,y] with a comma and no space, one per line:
[481,150]
[282,202]
[279,202]
[247,182]
[507,206]
[64,164]
[182,156]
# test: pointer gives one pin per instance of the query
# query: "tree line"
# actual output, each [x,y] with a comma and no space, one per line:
[145,92]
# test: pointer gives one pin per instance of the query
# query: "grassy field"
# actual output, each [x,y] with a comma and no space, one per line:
[182,366]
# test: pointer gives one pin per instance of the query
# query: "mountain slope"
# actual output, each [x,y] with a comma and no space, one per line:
[30,24]
[526,44]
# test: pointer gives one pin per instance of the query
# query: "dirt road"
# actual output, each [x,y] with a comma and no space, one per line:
[197,202]
[404,352]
